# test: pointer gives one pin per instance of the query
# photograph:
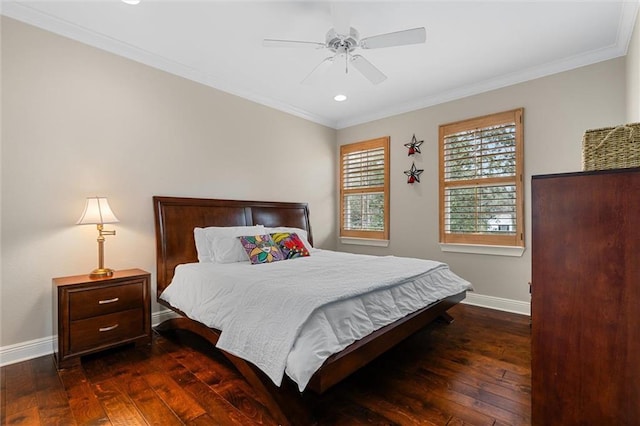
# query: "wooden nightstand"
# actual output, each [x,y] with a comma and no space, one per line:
[91,315]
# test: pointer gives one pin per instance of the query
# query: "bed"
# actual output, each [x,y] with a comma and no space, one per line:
[175,220]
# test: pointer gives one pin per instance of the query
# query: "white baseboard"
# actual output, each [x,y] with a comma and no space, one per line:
[39,347]
[158,317]
[45,346]
[498,303]
[27,350]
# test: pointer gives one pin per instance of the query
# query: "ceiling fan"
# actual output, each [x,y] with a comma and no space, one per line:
[342,40]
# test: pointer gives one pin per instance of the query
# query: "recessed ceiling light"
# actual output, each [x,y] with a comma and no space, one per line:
[131,1]
[340,98]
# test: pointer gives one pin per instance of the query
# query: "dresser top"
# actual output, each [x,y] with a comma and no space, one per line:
[83,279]
[588,173]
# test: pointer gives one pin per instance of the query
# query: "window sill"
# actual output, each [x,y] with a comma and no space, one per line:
[483,249]
[364,242]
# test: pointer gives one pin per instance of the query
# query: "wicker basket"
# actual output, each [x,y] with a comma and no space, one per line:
[611,147]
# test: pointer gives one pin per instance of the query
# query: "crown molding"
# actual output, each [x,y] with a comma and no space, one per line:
[26,14]
[628,18]
[31,16]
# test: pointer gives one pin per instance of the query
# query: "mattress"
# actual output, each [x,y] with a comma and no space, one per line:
[315,305]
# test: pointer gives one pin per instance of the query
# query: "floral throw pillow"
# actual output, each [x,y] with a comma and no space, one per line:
[261,249]
[290,245]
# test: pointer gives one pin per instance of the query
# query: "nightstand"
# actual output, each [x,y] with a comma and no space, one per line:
[91,315]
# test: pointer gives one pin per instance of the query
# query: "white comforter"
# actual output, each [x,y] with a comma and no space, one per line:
[292,315]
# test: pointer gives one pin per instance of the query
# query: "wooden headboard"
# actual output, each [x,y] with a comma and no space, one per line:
[175,218]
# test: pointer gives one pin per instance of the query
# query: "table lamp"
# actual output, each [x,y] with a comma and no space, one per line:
[98,212]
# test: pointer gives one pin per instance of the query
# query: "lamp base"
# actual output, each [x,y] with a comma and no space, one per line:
[101,273]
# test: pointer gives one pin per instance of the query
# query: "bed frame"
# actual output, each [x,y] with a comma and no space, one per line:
[175,219]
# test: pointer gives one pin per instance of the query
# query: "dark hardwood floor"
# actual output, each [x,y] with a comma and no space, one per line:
[474,371]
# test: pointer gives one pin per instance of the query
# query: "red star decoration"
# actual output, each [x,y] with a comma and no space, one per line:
[414,145]
[413,174]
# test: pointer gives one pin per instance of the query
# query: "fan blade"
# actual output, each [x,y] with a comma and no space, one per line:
[318,71]
[373,74]
[340,19]
[398,38]
[269,42]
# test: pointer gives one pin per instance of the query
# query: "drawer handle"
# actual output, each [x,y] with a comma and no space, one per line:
[112,327]
[104,302]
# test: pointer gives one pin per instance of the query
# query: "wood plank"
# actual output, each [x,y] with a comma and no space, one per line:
[84,404]
[357,416]
[19,387]
[242,397]
[220,411]
[53,403]
[107,364]
[126,367]
[211,368]
[28,417]
[222,378]
[183,374]
[455,421]
[422,400]
[519,389]
[161,359]
[172,393]
[203,420]
[3,395]
[516,393]
[500,408]
[118,406]
[397,407]
[151,406]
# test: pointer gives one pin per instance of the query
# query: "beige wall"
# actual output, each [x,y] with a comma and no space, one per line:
[633,75]
[557,111]
[80,122]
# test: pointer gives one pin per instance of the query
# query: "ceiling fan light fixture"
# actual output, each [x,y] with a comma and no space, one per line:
[343,40]
[340,98]
[131,1]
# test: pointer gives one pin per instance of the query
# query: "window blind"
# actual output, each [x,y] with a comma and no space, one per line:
[363,169]
[480,153]
[481,187]
[364,175]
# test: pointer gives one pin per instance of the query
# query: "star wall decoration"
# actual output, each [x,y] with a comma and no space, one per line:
[414,145]
[413,174]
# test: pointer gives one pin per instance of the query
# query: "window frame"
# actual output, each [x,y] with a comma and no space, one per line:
[515,240]
[382,142]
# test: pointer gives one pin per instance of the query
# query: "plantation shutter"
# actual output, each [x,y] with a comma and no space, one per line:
[364,175]
[481,180]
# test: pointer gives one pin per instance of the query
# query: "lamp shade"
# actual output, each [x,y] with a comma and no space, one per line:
[97,211]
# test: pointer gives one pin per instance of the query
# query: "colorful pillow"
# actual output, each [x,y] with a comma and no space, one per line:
[302,234]
[290,245]
[261,249]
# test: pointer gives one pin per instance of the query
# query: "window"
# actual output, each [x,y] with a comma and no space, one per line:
[364,189]
[481,166]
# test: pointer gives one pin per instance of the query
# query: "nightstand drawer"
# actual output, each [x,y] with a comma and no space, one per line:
[100,301]
[95,332]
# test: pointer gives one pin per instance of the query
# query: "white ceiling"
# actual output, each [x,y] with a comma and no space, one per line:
[471,47]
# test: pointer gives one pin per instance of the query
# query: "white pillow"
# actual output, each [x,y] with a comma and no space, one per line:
[228,250]
[301,233]
[204,238]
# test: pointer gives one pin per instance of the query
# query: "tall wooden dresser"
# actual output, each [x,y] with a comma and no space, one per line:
[585,304]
